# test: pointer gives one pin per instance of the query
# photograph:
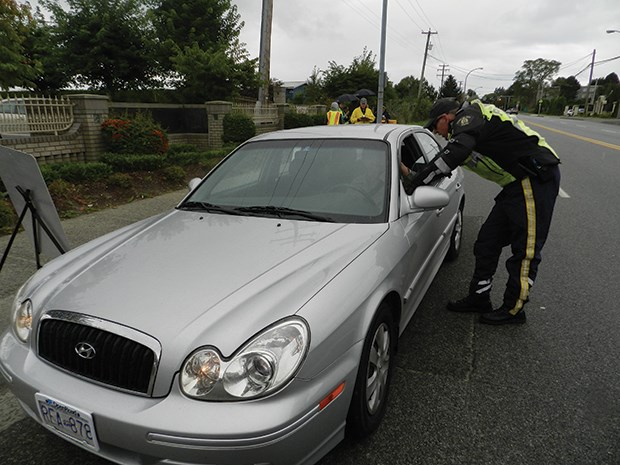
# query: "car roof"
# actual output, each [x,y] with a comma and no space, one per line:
[343,131]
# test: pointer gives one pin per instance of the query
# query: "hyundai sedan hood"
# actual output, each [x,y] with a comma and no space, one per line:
[204,277]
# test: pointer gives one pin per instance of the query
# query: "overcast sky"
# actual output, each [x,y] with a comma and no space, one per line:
[496,35]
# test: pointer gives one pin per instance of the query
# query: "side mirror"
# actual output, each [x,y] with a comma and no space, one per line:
[193,183]
[425,198]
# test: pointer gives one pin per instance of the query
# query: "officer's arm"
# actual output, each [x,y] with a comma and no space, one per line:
[453,154]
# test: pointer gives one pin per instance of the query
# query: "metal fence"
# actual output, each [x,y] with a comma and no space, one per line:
[23,116]
[265,114]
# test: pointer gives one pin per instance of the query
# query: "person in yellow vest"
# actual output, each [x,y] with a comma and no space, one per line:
[334,115]
[489,142]
[362,114]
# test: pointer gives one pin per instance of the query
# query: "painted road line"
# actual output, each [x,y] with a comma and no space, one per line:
[586,139]
[563,194]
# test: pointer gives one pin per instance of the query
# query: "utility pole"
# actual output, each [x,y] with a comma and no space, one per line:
[265,52]
[585,110]
[444,70]
[382,64]
[428,40]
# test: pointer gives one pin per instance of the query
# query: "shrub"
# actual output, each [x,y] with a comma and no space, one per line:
[63,191]
[193,158]
[75,172]
[181,148]
[140,135]
[238,128]
[183,158]
[209,163]
[126,163]
[298,120]
[318,120]
[120,180]
[7,216]
[174,174]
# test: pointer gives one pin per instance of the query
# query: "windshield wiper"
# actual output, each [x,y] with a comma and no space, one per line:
[284,212]
[208,207]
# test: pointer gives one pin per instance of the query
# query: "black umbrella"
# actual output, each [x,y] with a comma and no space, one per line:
[344,98]
[364,93]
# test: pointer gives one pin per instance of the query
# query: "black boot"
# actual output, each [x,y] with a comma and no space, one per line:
[479,303]
[502,316]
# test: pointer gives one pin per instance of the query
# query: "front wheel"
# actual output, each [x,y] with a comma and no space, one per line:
[372,386]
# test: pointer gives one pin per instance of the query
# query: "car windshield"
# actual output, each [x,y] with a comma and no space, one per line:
[344,180]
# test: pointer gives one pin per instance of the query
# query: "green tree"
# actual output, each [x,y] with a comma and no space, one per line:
[16,68]
[314,92]
[402,100]
[41,48]
[105,44]
[199,48]
[568,87]
[533,77]
[450,87]
[408,88]
[360,74]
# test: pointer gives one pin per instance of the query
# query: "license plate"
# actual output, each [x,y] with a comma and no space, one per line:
[67,420]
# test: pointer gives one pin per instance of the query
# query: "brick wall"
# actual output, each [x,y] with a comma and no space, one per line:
[84,140]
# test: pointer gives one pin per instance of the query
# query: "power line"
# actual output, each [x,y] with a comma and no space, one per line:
[424,14]
[408,15]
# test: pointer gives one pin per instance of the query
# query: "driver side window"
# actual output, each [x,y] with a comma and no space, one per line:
[429,145]
[411,155]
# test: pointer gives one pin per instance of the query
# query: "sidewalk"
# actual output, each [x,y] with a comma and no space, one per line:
[20,263]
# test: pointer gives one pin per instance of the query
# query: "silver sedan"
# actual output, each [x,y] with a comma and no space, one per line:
[256,323]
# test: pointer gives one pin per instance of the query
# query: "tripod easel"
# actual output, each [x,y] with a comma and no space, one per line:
[36,221]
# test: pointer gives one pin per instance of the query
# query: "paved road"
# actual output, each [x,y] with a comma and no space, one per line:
[464,393]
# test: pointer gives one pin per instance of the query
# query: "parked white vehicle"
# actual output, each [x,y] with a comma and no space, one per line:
[254,324]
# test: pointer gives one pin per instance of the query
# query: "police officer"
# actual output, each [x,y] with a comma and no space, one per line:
[484,139]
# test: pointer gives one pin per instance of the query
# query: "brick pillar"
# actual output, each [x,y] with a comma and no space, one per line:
[215,121]
[283,108]
[90,111]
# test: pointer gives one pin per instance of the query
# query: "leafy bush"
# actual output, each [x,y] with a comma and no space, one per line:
[183,158]
[7,216]
[238,128]
[174,174]
[298,120]
[181,148]
[140,135]
[75,172]
[191,158]
[120,180]
[128,163]
[67,194]
[209,163]
[318,120]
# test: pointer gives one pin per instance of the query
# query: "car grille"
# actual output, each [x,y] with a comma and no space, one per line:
[118,361]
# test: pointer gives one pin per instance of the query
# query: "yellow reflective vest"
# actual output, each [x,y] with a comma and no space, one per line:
[333,117]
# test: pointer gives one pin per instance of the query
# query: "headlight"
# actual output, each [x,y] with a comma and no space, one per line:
[22,319]
[262,366]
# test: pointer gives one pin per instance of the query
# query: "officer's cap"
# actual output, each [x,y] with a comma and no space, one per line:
[441,107]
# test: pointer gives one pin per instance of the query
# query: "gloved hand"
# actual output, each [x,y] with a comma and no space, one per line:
[411,181]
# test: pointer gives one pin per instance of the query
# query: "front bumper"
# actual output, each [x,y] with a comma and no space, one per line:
[284,429]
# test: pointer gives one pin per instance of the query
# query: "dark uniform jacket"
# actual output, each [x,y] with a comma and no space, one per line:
[488,141]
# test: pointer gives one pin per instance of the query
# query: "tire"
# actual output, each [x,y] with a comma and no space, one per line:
[456,237]
[374,375]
